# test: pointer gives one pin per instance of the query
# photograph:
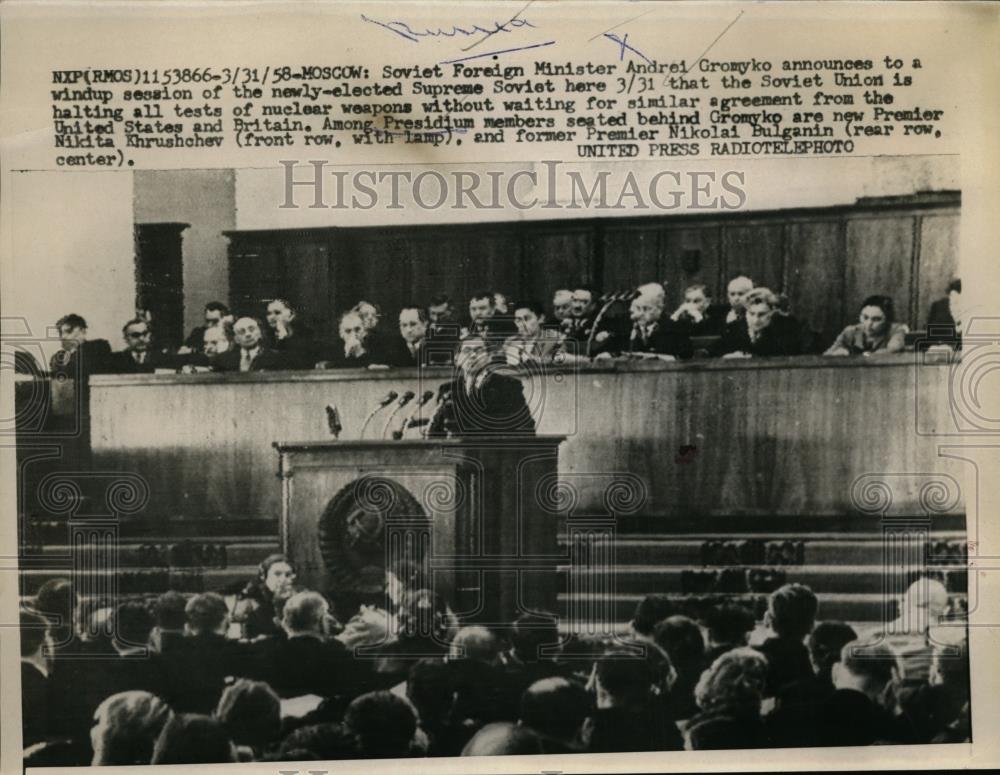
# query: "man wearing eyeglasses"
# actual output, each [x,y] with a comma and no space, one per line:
[138,357]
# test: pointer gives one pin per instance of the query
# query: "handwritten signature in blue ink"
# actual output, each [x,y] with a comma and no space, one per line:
[414,36]
[625,46]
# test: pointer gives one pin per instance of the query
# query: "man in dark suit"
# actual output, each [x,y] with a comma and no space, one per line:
[764,332]
[944,323]
[653,336]
[251,354]
[34,679]
[486,321]
[138,357]
[698,316]
[411,348]
[481,401]
[359,346]
[78,355]
[216,314]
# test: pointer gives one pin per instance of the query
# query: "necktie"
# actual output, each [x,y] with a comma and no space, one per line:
[245,360]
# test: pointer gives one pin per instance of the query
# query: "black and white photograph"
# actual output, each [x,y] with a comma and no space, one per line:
[625,404]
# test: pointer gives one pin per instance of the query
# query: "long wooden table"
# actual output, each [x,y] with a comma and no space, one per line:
[807,436]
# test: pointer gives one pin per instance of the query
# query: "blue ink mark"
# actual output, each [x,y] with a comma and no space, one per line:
[494,53]
[405,31]
[624,44]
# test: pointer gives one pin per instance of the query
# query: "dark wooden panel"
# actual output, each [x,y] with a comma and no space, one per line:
[879,255]
[307,279]
[815,255]
[755,250]
[493,262]
[256,274]
[938,261]
[631,256]
[689,256]
[556,259]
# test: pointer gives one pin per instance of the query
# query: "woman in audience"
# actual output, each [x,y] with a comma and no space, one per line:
[290,336]
[875,333]
[126,726]
[730,694]
[193,739]
[255,606]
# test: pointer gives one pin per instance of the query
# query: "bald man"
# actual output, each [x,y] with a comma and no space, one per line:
[251,352]
[653,335]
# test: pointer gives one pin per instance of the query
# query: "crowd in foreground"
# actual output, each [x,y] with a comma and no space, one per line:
[271,675]
[579,325]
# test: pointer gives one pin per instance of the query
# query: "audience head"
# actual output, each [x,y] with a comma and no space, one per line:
[383,725]
[352,330]
[72,331]
[251,713]
[698,296]
[729,625]
[529,317]
[206,614]
[556,708]
[737,289]
[923,604]
[684,643]
[441,310]
[791,611]
[876,316]
[137,335]
[478,644]
[216,314]
[318,742]
[306,613]
[131,623]
[649,612]
[193,739]
[482,306]
[562,304]
[370,314]
[734,682]
[368,627]
[628,675]
[280,312]
[57,601]
[584,301]
[430,686]
[760,304]
[275,572]
[217,339]
[530,634]
[33,627]
[423,614]
[126,726]
[865,667]
[503,738]
[412,323]
[247,333]
[825,643]
[170,611]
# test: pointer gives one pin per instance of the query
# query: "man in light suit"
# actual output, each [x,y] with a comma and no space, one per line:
[250,354]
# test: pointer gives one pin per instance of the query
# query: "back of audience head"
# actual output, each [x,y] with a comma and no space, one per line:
[131,623]
[57,601]
[169,611]
[923,604]
[368,627]
[734,682]
[251,713]
[718,733]
[683,641]
[430,686]
[32,628]
[318,742]
[306,613]
[825,643]
[189,738]
[556,708]
[729,624]
[475,643]
[649,612]
[534,637]
[383,725]
[503,738]
[628,675]
[791,611]
[126,726]
[422,614]
[206,614]
[866,667]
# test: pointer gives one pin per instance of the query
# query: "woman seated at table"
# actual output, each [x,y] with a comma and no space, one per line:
[255,603]
[875,333]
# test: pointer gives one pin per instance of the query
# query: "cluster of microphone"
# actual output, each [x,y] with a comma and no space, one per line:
[398,419]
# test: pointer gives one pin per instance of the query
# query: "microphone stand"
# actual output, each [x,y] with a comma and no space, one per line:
[372,414]
[615,297]
[393,413]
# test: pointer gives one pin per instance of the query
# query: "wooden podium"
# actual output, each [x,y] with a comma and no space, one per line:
[473,509]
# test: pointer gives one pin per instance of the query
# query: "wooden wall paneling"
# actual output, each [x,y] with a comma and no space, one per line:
[938,261]
[755,249]
[676,246]
[815,270]
[879,253]
[493,260]
[631,255]
[256,269]
[307,272]
[554,259]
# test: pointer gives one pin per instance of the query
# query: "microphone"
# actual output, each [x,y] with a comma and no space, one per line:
[333,420]
[387,399]
[412,420]
[403,401]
